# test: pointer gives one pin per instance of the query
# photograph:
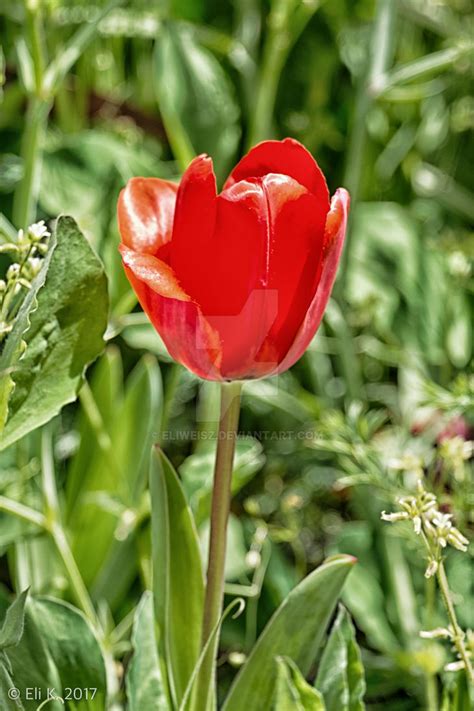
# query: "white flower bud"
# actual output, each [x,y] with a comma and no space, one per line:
[431,569]
[438,633]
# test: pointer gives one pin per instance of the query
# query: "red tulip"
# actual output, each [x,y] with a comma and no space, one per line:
[236,283]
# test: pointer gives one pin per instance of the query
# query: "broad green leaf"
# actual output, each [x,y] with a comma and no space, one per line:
[65,334]
[293,693]
[58,649]
[341,677]
[12,629]
[295,630]
[195,98]
[144,681]
[178,582]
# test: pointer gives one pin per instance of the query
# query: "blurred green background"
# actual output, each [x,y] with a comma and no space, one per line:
[381,94]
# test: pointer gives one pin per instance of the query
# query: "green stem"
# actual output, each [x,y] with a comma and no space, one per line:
[380,55]
[431,688]
[458,634]
[34,26]
[431,684]
[27,192]
[25,513]
[221,495]
[458,638]
[77,584]
[274,55]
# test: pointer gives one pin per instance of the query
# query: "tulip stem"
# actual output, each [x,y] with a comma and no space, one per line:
[220,506]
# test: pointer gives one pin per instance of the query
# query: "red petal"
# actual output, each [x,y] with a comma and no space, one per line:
[288,157]
[187,335]
[145,213]
[333,242]
[268,243]
[194,223]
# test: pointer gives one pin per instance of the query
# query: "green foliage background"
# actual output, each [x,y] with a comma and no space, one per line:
[381,94]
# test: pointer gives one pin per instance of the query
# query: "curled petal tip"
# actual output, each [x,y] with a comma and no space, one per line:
[200,167]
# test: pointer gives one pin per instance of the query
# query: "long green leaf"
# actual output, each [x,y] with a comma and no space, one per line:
[341,676]
[144,681]
[178,582]
[295,630]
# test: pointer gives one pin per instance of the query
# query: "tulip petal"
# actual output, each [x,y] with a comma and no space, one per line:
[145,213]
[333,243]
[288,157]
[194,223]
[186,333]
[266,248]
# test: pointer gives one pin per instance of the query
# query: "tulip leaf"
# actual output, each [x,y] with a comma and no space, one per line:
[65,334]
[195,98]
[293,693]
[58,650]
[295,630]
[341,677]
[144,681]
[178,581]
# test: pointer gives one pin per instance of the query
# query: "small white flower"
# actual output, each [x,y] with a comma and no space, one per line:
[38,231]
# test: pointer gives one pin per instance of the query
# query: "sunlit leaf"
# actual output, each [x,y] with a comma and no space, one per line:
[178,582]
[295,630]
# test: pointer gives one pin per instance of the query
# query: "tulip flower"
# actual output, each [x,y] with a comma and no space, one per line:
[235,283]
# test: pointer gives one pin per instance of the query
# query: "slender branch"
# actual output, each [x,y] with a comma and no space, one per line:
[78,587]
[380,56]
[26,195]
[458,638]
[221,495]
[25,513]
